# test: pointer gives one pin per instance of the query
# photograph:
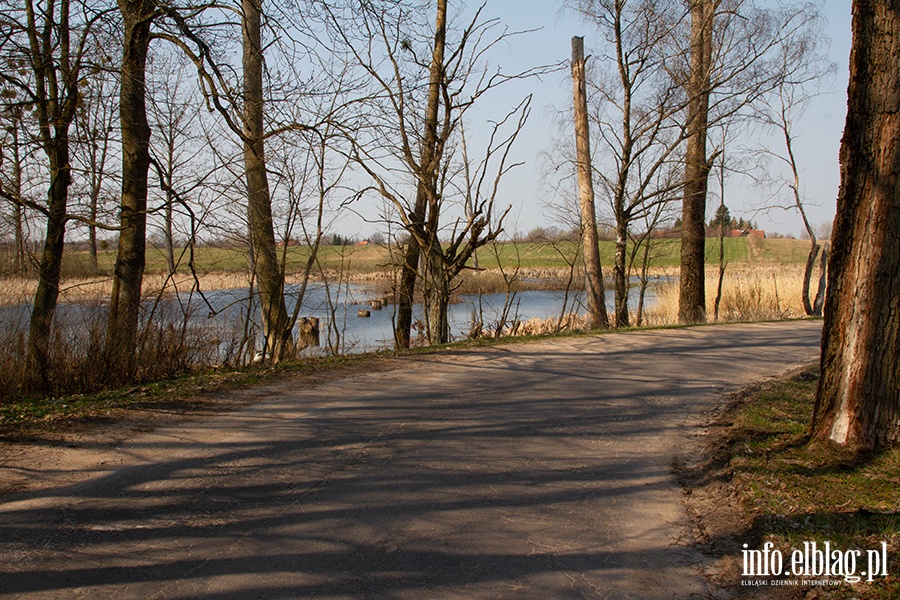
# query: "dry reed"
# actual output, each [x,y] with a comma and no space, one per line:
[758,293]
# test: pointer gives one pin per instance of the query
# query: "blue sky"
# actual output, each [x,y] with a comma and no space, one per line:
[817,134]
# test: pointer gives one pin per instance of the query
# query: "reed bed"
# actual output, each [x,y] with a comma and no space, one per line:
[749,293]
[758,293]
[18,290]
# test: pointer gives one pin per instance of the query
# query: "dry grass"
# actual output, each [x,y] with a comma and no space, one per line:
[168,347]
[758,293]
[537,326]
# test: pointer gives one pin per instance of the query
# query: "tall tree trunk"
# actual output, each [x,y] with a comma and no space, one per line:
[55,75]
[407,290]
[124,309]
[426,184]
[269,274]
[47,293]
[692,290]
[593,275]
[858,400]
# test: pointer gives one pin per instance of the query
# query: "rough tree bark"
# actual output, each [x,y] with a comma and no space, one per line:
[268,273]
[595,298]
[124,308]
[692,290]
[858,400]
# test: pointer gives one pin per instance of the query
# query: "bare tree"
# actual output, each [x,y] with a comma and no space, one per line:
[269,275]
[96,132]
[646,247]
[636,114]
[423,86]
[692,288]
[247,106]
[174,119]
[734,54]
[858,400]
[124,308]
[13,152]
[51,45]
[803,70]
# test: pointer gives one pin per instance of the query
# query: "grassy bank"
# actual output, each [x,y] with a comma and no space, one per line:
[789,494]
[374,258]
[190,392]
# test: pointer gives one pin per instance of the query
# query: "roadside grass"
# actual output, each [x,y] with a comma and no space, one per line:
[795,493]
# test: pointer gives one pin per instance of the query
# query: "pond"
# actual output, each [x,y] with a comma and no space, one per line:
[223,313]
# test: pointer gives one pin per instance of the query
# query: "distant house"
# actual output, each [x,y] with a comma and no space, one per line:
[757,233]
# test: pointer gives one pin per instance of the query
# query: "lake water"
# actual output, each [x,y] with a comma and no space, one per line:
[224,313]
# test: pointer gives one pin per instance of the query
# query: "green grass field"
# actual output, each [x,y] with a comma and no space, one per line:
[368,259]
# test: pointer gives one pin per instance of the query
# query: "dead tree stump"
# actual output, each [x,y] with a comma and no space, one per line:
[308,328]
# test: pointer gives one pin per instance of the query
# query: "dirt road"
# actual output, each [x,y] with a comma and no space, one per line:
[538,470]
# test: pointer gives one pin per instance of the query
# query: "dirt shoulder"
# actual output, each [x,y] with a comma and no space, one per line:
[715,506]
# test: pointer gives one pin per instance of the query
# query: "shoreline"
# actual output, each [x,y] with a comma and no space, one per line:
[16,291]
